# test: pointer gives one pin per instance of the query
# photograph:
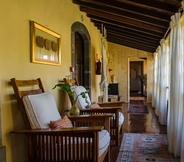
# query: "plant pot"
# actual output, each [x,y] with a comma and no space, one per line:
[74,110]
[145,91]
[112,78]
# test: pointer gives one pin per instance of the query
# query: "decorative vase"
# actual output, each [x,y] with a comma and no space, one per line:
[74,110]
[112,78]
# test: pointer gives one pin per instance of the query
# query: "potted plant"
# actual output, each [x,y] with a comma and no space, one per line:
[143,79]
[70,90]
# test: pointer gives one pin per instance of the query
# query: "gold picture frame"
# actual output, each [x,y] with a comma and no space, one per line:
[45,45]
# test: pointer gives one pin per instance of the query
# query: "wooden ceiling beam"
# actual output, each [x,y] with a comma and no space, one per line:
[147,49]
[128,26]
[124,6]
[171,2]
[120,30]
[126,15]
[116,18]
[131,37]
[149,40]
[131,41]
[137,24]
[153,5]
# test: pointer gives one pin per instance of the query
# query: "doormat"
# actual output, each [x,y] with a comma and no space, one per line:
[145,147]
[137,98]
[133,102]
[138,109]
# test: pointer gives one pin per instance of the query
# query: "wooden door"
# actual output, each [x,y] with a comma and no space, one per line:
[136,86]
[79,58]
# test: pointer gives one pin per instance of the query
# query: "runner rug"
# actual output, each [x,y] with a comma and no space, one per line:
[144,147]
[138,109]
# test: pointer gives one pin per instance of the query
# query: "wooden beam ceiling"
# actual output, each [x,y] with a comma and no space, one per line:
[139,24]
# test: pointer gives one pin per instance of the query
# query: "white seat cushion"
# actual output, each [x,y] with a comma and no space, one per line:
[104,141]
[81,103]
[121,118]
[41,109]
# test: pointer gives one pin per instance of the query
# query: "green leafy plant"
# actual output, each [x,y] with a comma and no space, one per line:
[143,79]
[70,90]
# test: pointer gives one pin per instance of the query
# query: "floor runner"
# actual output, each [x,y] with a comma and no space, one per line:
[138,109]
[144,147]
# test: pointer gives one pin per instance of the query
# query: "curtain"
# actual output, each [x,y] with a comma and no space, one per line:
[104,84]
[154,79]
[157,88]
[160,83]
[182,138]
[162,101]
[175,108]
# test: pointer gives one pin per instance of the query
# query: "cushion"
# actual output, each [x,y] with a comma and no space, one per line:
[121,118]
[81,103]
[61,123]
[93,105]
[41,109]
[104,141]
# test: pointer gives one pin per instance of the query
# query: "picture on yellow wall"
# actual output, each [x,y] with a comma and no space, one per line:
[45,45]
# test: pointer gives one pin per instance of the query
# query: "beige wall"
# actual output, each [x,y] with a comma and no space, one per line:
[119,60]
[57,15]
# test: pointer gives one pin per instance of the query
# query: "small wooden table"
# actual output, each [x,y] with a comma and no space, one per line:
[111,98]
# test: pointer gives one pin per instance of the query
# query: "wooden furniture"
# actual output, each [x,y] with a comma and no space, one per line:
[72,81]
[62,144]
[105,108]
[110,98]
[116,121]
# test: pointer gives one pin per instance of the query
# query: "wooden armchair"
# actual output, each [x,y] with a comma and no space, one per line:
[103,108]
[78,143]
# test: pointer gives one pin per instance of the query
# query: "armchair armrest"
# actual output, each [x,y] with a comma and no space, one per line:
[105,110]
[114,111]
[57,131]
[92,120]
[111,104]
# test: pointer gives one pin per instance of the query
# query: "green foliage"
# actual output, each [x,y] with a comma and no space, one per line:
[70,90]
[143,79]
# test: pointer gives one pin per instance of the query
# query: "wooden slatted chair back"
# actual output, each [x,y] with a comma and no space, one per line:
[72,81]
[23,88]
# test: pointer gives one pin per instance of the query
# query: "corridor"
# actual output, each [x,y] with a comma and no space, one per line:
[133,123]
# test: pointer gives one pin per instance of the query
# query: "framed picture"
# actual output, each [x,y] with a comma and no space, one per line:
[45,45]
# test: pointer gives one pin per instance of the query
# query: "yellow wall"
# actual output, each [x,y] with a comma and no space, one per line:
[119,58]
[57,15]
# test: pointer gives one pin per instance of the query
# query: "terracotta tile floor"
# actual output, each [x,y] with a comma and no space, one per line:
[147,124]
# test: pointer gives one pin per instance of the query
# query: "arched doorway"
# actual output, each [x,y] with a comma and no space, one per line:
[80,54]
[79,57]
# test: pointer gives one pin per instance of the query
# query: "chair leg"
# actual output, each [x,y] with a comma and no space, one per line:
[117,137]
[121,129]
[107,157]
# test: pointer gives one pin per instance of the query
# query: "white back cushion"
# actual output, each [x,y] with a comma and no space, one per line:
[41,109]
[81,103]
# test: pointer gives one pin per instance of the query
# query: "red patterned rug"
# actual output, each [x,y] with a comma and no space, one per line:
[144,147]
[138,109]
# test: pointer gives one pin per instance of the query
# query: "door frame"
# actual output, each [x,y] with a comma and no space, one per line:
[130,59]
[82,30]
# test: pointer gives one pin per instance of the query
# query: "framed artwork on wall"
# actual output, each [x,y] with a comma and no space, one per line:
[45,45]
